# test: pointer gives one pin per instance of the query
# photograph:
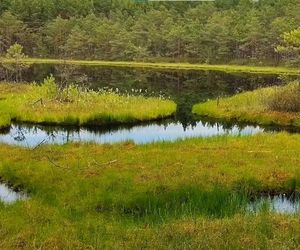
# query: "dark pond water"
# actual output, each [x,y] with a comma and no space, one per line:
[186,88]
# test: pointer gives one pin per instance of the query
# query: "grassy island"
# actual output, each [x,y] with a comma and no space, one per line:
[159,196]
[47,104]
[266,106]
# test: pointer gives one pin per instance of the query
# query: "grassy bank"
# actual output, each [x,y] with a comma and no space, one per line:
[46,104]
[157,196]
[251,107]
[178,66]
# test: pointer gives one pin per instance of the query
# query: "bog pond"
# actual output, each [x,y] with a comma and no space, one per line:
[185,87]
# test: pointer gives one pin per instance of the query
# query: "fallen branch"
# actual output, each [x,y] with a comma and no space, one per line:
[105,163]
[41,143]
[56,165]
[39,100]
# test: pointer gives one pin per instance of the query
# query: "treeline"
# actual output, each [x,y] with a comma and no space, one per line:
[212,32]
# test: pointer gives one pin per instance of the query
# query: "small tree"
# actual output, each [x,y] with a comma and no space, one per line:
[291,44]
[16,64]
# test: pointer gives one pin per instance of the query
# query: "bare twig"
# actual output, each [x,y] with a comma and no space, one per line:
[105,163]
[38,101]
[56,165]
[41,143]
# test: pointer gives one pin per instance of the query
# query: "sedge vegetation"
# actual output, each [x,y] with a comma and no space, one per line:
[266,106]
[155,196]
[48,104]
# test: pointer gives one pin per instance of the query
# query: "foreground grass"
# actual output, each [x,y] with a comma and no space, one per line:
[184,195]
[179,66]
[249,107]
[41,104]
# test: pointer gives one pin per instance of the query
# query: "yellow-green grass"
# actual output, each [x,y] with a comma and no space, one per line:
[171,66]
[33,103]
[249,106]
[87,196]
[4,121]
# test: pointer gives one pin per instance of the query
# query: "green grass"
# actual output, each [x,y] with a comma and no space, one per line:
[178,66]
[250,106]
[4,121]
[45,104]
[189,194]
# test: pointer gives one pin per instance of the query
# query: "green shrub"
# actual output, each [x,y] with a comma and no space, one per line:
[285,99]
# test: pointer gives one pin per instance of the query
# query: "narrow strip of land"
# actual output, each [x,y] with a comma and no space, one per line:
[171,66]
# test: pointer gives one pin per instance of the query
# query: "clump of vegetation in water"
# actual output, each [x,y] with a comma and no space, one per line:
[272,105]
[50,104]
[285,99]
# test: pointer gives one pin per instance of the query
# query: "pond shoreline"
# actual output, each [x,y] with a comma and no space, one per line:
[176,66]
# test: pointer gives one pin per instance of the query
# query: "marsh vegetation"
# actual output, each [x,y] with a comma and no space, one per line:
[49,104]
[99,101]
[273,105]
[110,195]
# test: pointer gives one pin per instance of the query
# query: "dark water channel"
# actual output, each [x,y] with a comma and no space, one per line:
[186,88]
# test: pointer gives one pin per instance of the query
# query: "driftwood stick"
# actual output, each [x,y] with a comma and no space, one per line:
[38,145]
[39,100]
[105,163]
[56,165]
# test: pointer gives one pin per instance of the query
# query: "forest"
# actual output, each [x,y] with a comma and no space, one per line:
[223,31]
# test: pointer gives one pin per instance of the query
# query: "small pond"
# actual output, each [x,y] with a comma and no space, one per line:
[185,87]
[280,204]
[8,195]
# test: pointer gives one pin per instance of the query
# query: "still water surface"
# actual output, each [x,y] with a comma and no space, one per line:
[8,195]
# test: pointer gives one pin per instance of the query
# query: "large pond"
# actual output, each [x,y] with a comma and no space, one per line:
[184,87]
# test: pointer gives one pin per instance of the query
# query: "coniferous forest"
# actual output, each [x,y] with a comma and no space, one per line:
[223,31]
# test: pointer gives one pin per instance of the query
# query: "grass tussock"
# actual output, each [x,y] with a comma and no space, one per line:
[110,196]
[285,99]
[48,104]
[267,106]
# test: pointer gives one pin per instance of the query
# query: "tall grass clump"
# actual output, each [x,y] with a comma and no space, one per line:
[285,99]
[184,201]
